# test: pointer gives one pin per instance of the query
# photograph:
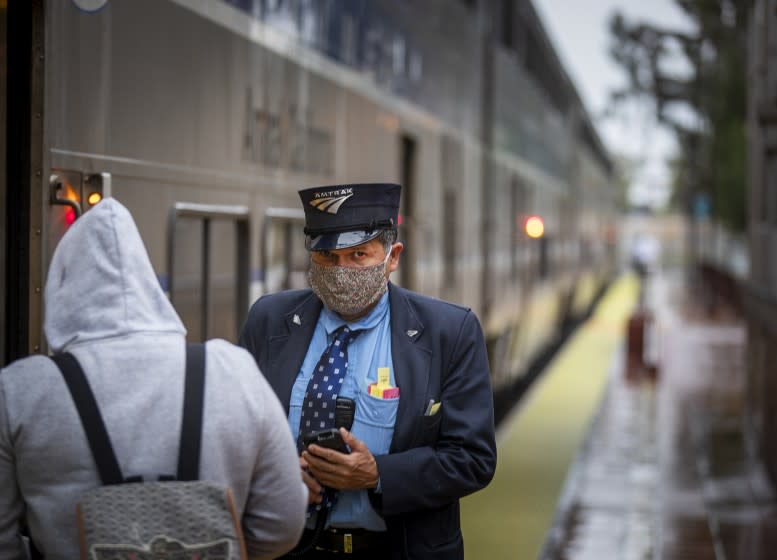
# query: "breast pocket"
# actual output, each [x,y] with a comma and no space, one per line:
[374,422]
[430,426]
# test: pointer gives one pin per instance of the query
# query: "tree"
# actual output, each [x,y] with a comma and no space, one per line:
[705,106]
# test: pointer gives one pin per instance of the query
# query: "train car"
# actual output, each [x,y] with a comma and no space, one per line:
[204,117]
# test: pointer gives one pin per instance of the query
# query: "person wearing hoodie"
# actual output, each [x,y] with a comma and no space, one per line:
[104,305]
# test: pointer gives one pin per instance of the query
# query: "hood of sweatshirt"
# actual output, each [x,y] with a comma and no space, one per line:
[101,283]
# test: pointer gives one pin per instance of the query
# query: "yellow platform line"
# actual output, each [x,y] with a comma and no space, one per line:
[537,444]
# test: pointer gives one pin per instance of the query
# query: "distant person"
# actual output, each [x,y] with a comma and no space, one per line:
[645,252]
[104,305]
[414,368]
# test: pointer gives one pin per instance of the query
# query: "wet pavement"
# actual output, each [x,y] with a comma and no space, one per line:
[665,472]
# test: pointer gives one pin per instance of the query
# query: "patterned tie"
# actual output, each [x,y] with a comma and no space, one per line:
[318,406]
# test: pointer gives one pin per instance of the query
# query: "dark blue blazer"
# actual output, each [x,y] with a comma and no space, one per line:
[439,354]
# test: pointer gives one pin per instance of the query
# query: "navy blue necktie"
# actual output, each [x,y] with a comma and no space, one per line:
[318,406]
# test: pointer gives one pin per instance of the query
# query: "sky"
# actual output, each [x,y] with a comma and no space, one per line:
[579,31]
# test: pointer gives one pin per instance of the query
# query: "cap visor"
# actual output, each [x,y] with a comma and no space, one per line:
[341,240]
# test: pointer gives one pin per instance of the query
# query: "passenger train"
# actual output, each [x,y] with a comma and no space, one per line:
[204,118]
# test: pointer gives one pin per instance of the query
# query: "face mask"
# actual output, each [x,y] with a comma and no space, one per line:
[348,290]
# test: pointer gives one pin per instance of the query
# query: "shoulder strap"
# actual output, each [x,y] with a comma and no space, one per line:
[97,435]
[92,421]
[193,402]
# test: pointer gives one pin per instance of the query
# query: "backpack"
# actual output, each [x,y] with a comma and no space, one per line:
[173,518]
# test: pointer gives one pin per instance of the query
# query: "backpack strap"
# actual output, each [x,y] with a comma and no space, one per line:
[193,404]
[97,435]
[92,421]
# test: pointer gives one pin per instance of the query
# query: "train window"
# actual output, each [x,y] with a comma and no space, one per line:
[348,40]
[208,268]
[284,259]
[186,276]
[223,310]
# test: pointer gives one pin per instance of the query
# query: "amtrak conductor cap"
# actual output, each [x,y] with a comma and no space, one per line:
[340,216]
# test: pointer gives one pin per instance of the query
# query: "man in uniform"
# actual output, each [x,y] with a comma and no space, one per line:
[413,368]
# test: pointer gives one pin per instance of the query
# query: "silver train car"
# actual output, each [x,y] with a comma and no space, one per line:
[204,117]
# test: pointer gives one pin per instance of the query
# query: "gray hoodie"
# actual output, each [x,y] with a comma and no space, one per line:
[104,305]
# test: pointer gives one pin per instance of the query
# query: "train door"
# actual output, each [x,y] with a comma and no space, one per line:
[452,173]
[38,205]
[20,227]
[3,180]
[518,213]
[284,259]
[408,148]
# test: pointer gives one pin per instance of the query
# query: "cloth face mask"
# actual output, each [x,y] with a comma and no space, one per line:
[348,290]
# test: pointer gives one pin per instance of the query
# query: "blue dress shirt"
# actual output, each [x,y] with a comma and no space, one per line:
[374,418]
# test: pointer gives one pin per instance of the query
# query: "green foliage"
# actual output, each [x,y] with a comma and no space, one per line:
[713,93]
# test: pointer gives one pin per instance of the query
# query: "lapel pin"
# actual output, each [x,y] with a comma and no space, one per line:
[296,320]
[411,333]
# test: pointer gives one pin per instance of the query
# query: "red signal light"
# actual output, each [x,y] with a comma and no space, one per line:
[70,216]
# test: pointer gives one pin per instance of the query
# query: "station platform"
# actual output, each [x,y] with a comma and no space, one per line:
[600,462]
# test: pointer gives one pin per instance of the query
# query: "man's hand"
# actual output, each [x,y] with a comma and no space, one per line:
[343,471]
[314,488]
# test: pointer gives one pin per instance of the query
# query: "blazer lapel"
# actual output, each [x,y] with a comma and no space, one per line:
[287,347]
[411,355]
